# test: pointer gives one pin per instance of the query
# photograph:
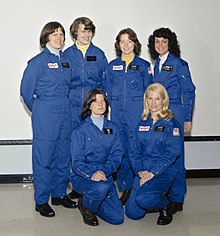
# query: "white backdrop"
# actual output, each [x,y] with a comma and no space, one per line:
[196,24]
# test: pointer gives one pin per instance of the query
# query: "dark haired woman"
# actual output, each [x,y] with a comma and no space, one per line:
[173,73]
[128,78]
[96,154]
[45,90]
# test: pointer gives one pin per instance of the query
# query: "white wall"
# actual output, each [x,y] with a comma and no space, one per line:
[195,22]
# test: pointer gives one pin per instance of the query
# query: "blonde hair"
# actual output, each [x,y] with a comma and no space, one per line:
[165,113]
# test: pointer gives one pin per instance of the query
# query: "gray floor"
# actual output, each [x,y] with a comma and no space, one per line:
[201,215]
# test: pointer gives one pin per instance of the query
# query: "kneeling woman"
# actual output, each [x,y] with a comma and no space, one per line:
[155,149]
[96,154]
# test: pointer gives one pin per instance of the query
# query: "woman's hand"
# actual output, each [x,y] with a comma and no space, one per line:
[145,176]
[99,176]
[187,127]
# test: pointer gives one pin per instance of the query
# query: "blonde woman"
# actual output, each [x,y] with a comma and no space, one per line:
[155,149]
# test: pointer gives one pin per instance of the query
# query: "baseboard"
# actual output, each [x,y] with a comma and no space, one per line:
[203,173]
[21,178]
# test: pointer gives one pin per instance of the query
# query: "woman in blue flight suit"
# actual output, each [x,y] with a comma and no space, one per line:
[96,154]
[45,89]
[89,66]
[88,62]
[128,78]
[155,149]
[173,73]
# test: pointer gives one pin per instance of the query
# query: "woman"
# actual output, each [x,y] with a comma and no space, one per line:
[173,73]
[88,62]
[128,78]
[155,149]
[96,154]
[45,90]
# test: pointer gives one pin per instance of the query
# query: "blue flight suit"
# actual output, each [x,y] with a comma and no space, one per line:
[125,91]
[155,149]
[93,150]
[45,89]
[175,77]
[88,72]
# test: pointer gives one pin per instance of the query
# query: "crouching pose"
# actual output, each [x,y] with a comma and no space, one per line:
[155,149]
[96,154]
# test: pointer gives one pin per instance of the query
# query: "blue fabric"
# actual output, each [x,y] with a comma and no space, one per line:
[87,73]
[45,87]
[93,150]
[156,148]
[176,78]
[125,91]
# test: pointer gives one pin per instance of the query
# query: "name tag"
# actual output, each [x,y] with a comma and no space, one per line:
[159,129]
[91,58]
[108,131]
[167,68]
[118,67]
[65,65]
[52,65]
[144,128]
[134,67]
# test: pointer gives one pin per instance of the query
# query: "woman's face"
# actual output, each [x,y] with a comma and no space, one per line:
[126,45]
[56,39]
[84,37]
[155,101]
[161,45]
[98,107]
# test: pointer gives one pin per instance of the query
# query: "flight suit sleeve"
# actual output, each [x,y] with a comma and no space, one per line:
[79,165]
[148,77]
[28,83]
[188,91]
[171,151]
[114,158]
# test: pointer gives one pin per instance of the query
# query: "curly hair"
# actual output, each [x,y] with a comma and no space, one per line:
[90,98]
[166,33]
[132,36]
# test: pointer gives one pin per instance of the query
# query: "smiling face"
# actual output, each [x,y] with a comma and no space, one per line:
[155,102]
[161,45]
[98,107]
[56,39]
[84,36]
[126,45]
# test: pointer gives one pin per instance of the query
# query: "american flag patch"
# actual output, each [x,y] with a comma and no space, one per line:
[144,128]
[176,132]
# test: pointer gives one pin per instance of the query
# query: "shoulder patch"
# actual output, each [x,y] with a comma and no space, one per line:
[176,132]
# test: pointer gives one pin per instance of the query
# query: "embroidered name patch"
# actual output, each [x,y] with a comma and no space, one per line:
[176,132]
[144,128]
[159,129]
[52,65]
[167,68]
[108,131]
[118,67]
[134,67]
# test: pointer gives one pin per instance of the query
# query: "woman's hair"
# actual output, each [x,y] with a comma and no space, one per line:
[91,97]
[165,113]
[132,36]
[172,42]
[48,29]
[81,20]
